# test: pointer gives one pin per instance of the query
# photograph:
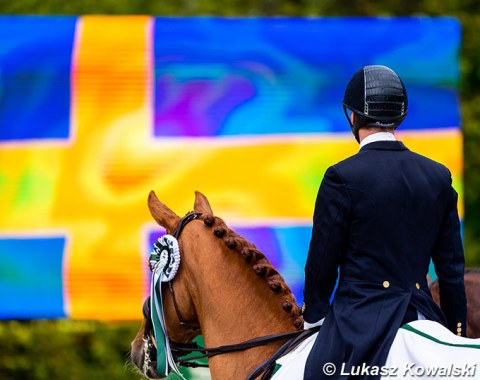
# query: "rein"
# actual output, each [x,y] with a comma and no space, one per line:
[185,349]
[179,350]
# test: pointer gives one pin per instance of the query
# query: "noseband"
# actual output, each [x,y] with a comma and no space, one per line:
[149,345]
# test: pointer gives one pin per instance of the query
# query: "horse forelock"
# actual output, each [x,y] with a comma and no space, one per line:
[259,264]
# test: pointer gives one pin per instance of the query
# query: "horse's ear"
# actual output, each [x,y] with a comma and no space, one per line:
[201,204]
[161,213]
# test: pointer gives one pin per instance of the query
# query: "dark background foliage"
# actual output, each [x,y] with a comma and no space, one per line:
[67,349]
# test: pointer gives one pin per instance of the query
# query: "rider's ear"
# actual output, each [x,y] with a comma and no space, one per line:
[161,213]
[201,204]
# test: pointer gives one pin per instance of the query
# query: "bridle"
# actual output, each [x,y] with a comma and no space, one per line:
[149,345]
[180,350]
[176,234]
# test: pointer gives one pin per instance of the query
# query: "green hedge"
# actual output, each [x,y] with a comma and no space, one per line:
[71,350]
[65,349]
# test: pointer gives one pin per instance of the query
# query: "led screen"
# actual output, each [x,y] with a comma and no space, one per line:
[246,110]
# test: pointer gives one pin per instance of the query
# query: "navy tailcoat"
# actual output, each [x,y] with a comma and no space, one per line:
[380,216]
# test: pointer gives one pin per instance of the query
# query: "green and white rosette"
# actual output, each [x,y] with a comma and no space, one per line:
[164,262]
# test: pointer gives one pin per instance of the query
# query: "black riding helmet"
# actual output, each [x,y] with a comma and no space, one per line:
[377,96]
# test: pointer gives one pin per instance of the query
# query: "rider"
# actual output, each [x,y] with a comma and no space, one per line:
[380,216]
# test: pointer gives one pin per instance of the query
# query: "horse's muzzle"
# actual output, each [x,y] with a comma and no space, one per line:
[144,355]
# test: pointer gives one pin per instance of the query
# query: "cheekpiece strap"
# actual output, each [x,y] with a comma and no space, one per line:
[184,221]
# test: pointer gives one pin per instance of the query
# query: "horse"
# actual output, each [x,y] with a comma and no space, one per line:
[472,289]
[225,289]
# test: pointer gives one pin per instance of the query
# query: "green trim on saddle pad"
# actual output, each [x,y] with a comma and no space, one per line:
[276,368]
[425,335]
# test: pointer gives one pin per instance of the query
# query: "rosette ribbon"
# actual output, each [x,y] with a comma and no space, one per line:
[164,263]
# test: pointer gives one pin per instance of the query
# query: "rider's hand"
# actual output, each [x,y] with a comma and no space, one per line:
[307,325]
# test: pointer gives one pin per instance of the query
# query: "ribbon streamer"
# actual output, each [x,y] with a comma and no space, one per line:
[164,263]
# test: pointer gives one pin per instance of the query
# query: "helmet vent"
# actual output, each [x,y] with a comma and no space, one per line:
[377,93]
[384,92]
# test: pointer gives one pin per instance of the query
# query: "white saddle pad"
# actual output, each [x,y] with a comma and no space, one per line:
[421,349]
[293,364]
[429,350]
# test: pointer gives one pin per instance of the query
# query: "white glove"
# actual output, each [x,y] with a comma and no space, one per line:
[307,326]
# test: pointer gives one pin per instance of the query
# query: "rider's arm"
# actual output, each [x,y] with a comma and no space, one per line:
[449,262]
[330,226]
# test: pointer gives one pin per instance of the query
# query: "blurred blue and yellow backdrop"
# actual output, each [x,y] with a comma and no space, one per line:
[95,111]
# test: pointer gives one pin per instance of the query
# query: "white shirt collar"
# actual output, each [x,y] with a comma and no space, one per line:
[379,136]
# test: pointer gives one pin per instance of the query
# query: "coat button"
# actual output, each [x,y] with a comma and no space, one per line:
[459,334]
[459,324]
[459,330]
[417,285]
[386,284]
[304,307]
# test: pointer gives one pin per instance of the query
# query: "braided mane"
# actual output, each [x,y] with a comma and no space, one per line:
[259,263]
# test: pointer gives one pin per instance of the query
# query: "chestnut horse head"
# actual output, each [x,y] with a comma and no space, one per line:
[225,286]
[472,290]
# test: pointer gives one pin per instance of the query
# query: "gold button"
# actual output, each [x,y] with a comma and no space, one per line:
[386,284]
[304,307]
[459,334]
[459,324]
[417,285]
[459,330]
